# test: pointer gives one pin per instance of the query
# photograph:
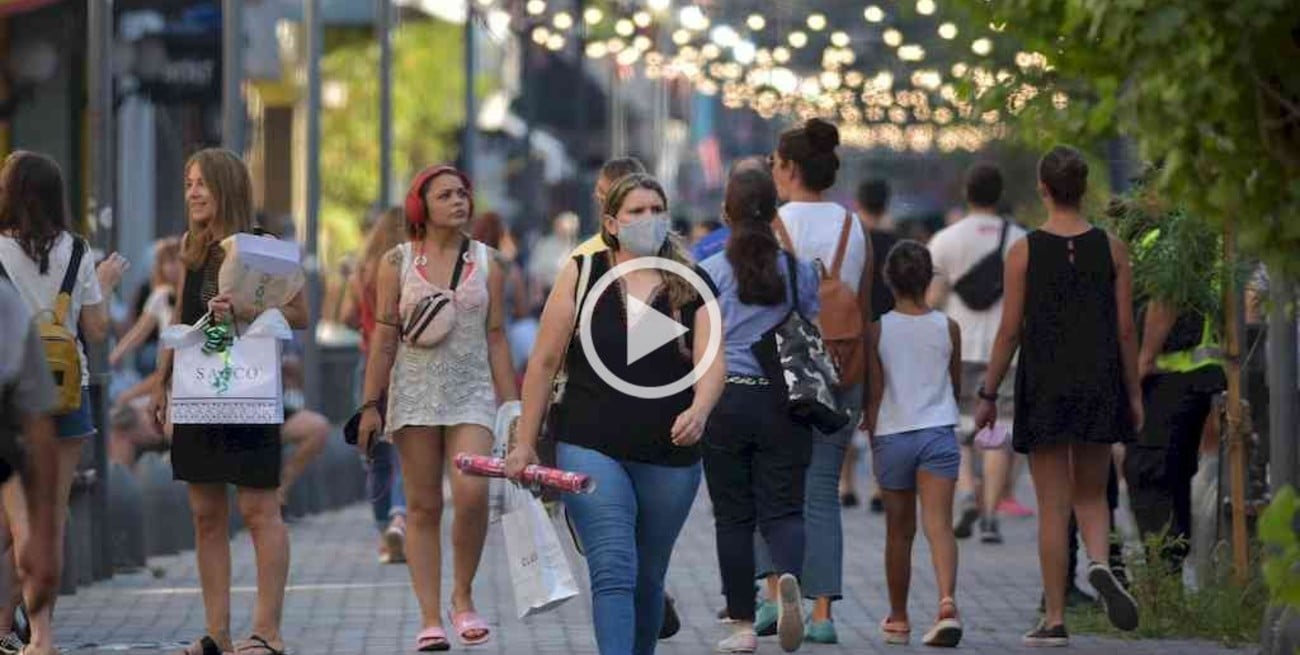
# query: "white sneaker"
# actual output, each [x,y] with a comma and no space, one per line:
[740,641]
[789,613]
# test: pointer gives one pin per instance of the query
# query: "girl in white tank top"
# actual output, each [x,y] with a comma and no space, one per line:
[912,413]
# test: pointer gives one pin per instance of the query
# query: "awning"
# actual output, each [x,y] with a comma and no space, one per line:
[14,7]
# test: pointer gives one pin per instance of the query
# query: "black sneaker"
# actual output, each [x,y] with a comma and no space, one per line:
[672,623]
[1121,609]
[877,505]
[1045,637]
[989,532]
[966,521]
[849,499]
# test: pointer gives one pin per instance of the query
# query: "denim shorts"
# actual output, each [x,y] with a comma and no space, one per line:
[895,458]
[77,423]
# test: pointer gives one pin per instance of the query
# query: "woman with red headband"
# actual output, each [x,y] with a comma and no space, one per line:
[439,354]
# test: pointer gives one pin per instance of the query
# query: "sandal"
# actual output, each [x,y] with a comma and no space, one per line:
[469,621]
[205,645]
[897,633]
[432,640]
[256,645]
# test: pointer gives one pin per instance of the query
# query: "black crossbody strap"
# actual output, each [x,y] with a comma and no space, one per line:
[1002,239]
[74,266]
[460,263]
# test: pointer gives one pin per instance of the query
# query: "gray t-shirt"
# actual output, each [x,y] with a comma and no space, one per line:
[22,359]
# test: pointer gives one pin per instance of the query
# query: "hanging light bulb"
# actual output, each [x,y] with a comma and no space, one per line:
[892,37]
[756,22]
[562,20]
[982,46]
[641,18]
[911,52]
[555,42]
[624,27]
[659,5]
[593,15]
[540,34]
[597,49]
[959,69]
[642,43]
[744,52]
[840,39]
[925,7]
[873,14]
[817,22]
[535,7]
[948,31]
[693,18]
[780,54]
[798,39]
[681,37]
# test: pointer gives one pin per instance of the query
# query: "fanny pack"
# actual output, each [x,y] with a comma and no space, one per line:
[433,316]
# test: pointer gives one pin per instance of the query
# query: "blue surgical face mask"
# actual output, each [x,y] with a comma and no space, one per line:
[644,237]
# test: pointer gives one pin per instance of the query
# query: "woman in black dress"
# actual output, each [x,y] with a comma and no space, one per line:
[1068,308]
[219,202]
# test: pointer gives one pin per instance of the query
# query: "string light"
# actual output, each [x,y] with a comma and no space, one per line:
[840,39]
[629,56]
[959,69]
[756,22]
[893,38]
[925,7]
[817,22]
[658,5]
[982,46]
[948,31]
[593,15]
[555,42]
[641,18]
[798,39]
[724,36]
[535,7]
[780,54]
[693,18]
[624,27]
[873,14]
[681,37]
[744,52]
[597,49]
[710,51]
[642,43]
[615,45]
[562,21]
[911,52]
[540,34]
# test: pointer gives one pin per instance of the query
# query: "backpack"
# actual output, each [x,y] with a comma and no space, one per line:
[840,317]
[981,287]
[62,354]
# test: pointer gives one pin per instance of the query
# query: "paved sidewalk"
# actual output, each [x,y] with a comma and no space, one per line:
[342,602]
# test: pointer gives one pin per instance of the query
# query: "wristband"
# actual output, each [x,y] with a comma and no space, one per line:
[369,404]
[984,395]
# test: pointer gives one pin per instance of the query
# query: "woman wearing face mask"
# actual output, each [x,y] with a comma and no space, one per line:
[442,392]
[642,453]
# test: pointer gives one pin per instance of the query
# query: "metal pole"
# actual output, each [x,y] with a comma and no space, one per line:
[470,143]
[99,34]
[315,29]
[232,75]
[1283,418]
[383,33]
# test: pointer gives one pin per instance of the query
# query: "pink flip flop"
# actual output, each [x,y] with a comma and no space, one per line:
[431,640]
[466,622]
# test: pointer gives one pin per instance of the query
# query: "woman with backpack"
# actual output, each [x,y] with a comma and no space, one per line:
[439,351]
[208,458]
[812,228]
[54,272]
[755,456]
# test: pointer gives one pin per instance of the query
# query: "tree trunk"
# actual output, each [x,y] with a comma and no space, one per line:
[1236,440]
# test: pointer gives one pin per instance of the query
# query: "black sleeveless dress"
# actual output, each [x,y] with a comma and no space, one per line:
[242,455]
[1069,382]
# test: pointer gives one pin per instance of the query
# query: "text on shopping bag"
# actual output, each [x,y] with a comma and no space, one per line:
[240,385]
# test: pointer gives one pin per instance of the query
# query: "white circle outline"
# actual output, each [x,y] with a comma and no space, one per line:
[711,349]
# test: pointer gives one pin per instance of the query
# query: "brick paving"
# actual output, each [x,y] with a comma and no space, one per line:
[342,602]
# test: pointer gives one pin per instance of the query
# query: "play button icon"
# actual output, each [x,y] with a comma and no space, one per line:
[648,329]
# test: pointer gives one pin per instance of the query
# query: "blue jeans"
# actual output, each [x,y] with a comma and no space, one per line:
[823,561]
[627,528]
[384,484]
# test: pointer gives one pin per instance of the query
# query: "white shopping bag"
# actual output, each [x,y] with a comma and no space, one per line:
[503,439]
[539,571]
[239,386]
[260,272]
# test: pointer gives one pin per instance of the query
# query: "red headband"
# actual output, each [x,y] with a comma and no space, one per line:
[416,209]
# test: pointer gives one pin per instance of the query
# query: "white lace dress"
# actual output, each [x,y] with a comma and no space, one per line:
[451,383]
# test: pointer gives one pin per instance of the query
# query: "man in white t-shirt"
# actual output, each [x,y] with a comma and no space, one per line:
[956,250]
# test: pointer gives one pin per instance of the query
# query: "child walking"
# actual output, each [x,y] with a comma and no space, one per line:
[915,379]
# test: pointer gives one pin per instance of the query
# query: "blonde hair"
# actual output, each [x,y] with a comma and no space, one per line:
[680,292]
[165,249]
[227,178]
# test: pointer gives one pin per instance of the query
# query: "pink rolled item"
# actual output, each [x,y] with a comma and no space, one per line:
[495,467]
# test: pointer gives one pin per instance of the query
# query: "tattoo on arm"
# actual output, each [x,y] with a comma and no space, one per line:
[395,257]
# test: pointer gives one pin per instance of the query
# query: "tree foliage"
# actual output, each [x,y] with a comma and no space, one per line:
[1208,88]
[428,113]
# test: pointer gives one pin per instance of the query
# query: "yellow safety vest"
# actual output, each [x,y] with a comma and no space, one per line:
[1204,354]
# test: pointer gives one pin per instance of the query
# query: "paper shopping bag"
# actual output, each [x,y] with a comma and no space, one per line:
[260,272]
[539,571]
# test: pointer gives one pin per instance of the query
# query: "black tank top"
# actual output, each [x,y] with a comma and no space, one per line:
[597,416]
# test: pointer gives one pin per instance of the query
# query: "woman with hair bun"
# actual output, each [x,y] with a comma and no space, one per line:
[804,166]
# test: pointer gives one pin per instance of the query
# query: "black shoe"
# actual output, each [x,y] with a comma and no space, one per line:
[1043,636]
[672,623]
[989,532]
[1121,609]
[877,505]
[966,521]
[849,499]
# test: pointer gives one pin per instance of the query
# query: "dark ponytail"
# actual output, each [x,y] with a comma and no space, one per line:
[812,148]
[752,248]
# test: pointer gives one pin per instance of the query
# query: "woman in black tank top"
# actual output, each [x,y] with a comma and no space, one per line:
[641,450]
[1068,308]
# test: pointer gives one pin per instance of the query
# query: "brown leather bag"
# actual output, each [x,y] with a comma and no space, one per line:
[840,316]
